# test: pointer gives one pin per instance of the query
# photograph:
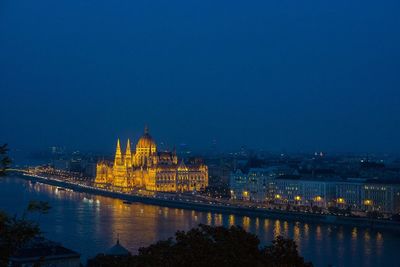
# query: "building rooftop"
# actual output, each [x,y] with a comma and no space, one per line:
[40,248]
[117,250]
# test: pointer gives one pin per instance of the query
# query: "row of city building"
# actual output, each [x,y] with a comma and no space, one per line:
[279,185]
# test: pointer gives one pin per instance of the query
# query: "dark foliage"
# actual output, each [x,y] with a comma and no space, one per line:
[210,246]
[14,233]
[4,159]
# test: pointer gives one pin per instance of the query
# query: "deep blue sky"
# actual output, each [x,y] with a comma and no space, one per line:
[269,74]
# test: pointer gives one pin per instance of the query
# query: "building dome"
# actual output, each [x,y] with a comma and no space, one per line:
[146,141]
[118,250]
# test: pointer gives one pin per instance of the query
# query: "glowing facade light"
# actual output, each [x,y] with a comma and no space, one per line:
[318,199]
[297,198]
[277,196]
[145,168]
[367,202]
[340,200]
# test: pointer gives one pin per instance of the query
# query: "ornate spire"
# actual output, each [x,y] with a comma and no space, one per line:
[146,129]
[128,154]
[118,154]
[128,151]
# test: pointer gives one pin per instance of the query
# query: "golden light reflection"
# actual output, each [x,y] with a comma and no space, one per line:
[218,219]
[367,243]
[246,223]
[266,225]
[231,220]
[354,234]
[121,218]
[379,243]
[286,228]
[318,232]
[367,236]
[209,218]
[277,228]
[297,233]
[340,234]
[166,213]
[306,230]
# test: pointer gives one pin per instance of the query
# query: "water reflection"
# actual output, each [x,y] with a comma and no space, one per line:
[90,224]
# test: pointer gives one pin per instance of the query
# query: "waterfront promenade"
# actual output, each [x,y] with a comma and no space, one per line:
[251,211]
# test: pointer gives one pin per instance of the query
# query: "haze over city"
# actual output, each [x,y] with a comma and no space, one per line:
[272,75]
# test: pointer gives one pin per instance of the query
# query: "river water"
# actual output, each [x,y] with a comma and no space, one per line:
[90,224]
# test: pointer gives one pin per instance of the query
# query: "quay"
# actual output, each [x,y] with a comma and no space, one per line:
[378,224]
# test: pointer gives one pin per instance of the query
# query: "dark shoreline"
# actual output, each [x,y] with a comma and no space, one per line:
[242,211]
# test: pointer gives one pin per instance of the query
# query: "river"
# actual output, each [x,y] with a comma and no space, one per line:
[90,224]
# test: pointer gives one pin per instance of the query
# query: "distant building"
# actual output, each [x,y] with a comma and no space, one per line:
[41,252]
[265,185]
[219,170]
[256,185]
[61,164]
[149,169]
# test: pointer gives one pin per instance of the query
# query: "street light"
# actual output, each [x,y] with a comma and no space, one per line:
[367,202]
[340,200]
[317,199]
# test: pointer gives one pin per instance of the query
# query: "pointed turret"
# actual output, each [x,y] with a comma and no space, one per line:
[146,129]
[118,154]
[128,154]
[182,166]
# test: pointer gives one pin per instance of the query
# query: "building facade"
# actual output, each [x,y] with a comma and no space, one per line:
[149,169]
[264,185]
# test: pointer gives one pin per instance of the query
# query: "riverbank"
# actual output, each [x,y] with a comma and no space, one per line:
[205,207]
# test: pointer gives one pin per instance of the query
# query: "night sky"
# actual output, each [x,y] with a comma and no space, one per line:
[276,75]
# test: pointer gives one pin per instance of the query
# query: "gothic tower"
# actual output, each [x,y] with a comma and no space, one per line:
[119,169]
[128,155]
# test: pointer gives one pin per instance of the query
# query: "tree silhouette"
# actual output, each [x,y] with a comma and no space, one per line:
[4,159]
[210,246]
[14,233]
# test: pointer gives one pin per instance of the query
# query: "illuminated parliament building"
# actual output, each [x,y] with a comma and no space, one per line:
[147,168]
